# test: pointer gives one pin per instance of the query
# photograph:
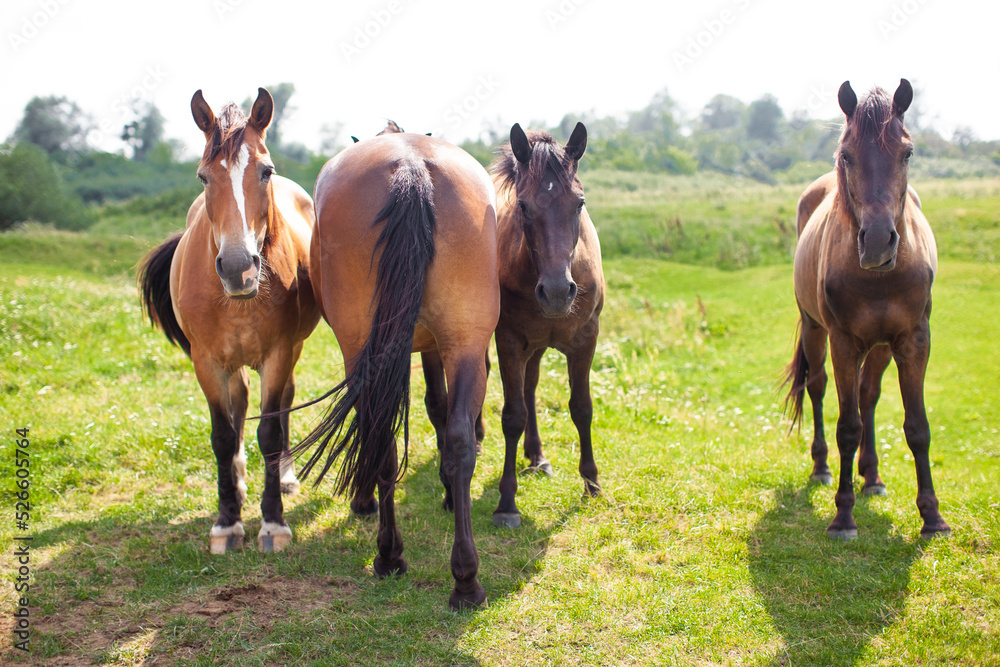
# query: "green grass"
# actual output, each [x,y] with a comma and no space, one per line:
[708,546]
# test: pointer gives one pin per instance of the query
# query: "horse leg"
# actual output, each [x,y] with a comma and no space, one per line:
[290,484]
[239,390]
[389,540]
[846,366]
[480,427]
[436,401]
[227,532]
[272,438]
[467,381]
[532,440]
[871,389]
[911,360]
[512,420]
[581,410]
[814,348]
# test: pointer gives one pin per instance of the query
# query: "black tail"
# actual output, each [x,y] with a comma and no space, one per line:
[378,386]
[796,375]
[153,279]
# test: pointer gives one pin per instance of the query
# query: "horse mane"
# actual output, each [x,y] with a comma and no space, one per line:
[230,126]
[546,153]
[875,120]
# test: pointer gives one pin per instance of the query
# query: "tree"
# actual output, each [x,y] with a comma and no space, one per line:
[145,132]
[763,118]
[722,112]
[32,189]
[54,124]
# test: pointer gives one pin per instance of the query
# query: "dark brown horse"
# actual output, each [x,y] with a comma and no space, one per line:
[864,266]
[233,291]
[551,295]
[404,258]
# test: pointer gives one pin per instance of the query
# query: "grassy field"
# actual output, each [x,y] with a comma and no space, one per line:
[708,547]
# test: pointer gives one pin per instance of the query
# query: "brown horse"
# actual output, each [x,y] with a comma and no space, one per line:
[404,258]
[233,291]
[864,266]
[551,295]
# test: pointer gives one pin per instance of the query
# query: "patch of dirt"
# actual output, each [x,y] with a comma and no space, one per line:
[94,628]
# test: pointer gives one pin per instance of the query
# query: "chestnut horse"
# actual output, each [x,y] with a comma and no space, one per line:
[551,295]
[233,291]
[404,258]
[864,266]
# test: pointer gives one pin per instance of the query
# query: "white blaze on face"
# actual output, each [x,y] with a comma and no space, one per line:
[236,176]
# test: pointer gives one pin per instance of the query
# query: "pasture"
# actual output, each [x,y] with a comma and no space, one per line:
[708,546]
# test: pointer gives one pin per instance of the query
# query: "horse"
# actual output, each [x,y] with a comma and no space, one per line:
[233,291]
[865,262]
[404,259]
[552,293]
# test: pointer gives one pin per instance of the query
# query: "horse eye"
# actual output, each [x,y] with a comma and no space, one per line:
[580,206]
[846,158]
[909,154]
[266,175]
[201,177]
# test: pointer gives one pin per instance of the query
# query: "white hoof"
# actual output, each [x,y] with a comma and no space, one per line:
[273,537]
[223,538]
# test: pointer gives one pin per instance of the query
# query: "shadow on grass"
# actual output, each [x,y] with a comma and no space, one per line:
[828,599]
[121,589]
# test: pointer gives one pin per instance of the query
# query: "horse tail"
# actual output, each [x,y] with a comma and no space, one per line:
[153,278]
[796,374]
[378,385]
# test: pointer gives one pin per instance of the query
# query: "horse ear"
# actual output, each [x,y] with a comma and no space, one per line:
[848,100]
[901,100]
[577,143]
[356,140]
[263,108]
[203,116]
[519,144]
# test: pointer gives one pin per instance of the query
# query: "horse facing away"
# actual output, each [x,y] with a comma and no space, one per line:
[864,265]
[404,259]
[233,291]
[552,292]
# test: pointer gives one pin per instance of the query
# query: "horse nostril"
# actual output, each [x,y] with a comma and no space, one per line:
[571,293]
[893,237]
[256,262]
[218,266]
[540,293]
[861,237]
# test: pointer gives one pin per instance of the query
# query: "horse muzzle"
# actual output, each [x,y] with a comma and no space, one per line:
[877,248]
[555,297]
[240,274]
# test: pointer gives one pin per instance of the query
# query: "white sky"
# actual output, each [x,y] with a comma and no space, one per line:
[449,66]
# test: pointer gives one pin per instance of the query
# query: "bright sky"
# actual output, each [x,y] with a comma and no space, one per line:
[449,66]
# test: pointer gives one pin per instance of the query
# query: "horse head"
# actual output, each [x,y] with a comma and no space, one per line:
[550,202]
[236,170]
[872,164]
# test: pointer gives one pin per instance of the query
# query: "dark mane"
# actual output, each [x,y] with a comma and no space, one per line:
[230,125]
[874,120]
[545,153]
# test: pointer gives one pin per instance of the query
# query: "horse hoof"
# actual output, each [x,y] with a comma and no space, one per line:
[223,539]
[507,519]
[875,490]
[463,601]
[365,509]
[591,489]
[842,535]
[543,467]
[273,537]
[385,568]
[935,532]
[824,478]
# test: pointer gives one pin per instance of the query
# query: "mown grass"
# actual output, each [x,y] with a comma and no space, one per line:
[708,546]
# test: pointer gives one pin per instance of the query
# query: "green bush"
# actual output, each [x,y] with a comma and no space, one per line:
[31,188]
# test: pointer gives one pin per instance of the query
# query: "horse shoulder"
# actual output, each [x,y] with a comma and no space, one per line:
[812,197]
[196,210]
[812,256]
[921,235]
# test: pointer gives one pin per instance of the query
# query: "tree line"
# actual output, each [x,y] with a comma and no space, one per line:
[50,173]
